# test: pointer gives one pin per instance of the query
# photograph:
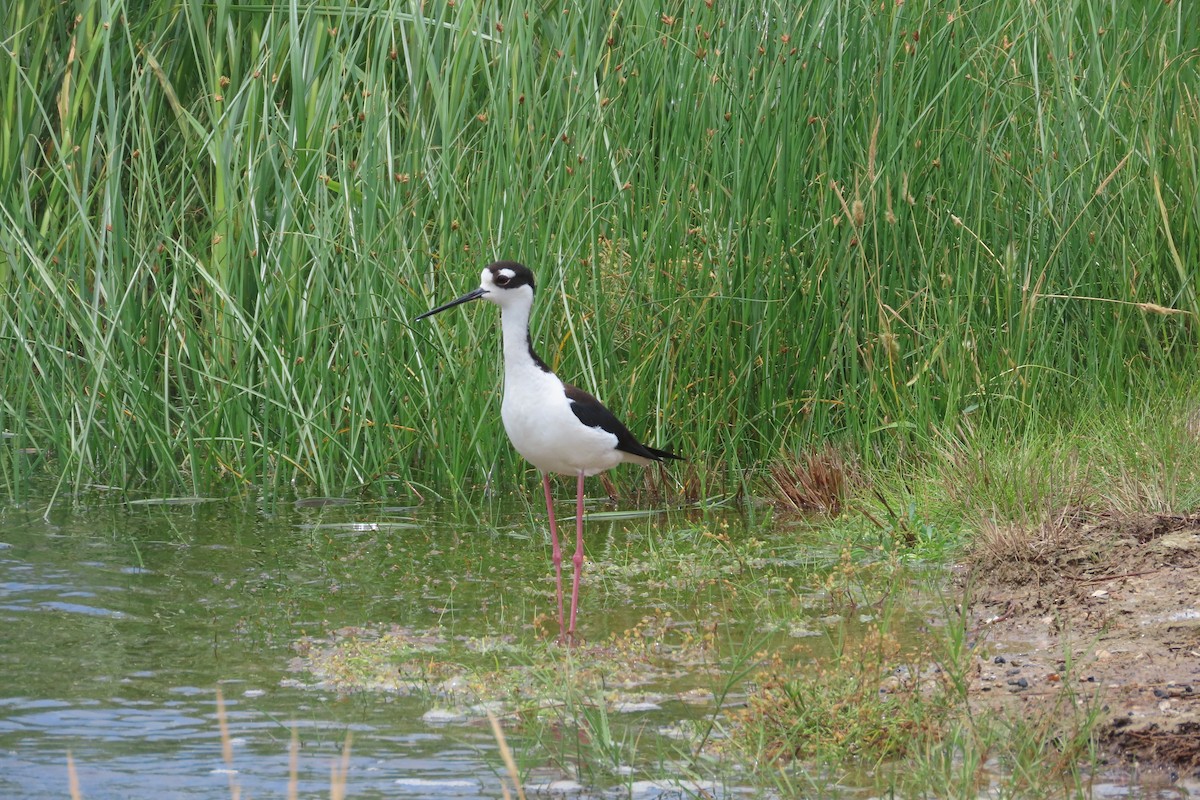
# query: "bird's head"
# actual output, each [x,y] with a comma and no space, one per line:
[504,283]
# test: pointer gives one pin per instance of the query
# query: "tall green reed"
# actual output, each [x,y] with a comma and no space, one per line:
[753,224]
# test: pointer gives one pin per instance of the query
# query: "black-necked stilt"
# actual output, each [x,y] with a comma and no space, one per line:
[555,426]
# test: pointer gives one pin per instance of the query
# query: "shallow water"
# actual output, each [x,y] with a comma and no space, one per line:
[118,623]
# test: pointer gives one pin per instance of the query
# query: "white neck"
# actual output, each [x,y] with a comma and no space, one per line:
[514,322]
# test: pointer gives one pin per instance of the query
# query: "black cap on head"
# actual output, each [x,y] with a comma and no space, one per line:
[511,275]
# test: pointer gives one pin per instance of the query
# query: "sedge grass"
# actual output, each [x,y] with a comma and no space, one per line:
[753,225]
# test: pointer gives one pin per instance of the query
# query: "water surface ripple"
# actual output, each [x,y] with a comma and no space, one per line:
[118,624]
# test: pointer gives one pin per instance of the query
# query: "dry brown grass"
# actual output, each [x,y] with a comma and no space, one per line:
[1006,550]
[1192,426]
[73,778]
[818,479]
[510,764]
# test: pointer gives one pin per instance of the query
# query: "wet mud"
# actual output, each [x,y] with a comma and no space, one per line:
[1100,612]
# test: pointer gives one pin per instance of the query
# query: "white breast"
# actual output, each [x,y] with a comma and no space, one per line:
[545,431]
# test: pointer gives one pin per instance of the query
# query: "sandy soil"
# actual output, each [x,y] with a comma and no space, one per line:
[1106,606]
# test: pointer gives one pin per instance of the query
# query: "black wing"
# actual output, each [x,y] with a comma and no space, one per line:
[591,412]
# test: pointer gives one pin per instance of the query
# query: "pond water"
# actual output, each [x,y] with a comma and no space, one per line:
[117,624]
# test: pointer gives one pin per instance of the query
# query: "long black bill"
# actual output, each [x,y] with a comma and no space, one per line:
[466,298]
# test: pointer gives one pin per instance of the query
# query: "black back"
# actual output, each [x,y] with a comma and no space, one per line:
[591,412]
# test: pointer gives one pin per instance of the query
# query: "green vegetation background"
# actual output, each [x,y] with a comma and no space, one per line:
[756,225]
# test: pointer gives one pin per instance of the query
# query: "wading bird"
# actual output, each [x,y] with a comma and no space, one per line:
[553,425]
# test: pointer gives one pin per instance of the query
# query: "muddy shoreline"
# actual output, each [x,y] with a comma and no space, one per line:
[1095,613]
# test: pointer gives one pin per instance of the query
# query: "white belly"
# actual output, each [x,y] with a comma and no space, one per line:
[545,431]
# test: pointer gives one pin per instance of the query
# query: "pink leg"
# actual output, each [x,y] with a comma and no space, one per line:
[578,557]
[556,551]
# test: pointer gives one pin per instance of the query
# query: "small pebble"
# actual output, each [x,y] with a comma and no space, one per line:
[632,706]
[441,716]
[559,787]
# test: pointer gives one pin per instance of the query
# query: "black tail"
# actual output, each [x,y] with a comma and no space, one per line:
[663,455]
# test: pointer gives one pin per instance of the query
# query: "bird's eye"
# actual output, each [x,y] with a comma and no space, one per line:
[502,280]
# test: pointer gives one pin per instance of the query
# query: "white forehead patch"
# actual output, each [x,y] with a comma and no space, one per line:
[508,273]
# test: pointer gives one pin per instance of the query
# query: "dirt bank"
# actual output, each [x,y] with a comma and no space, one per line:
[1103,605]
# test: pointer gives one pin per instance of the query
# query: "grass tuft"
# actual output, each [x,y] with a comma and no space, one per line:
[817,480]
[853,708]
